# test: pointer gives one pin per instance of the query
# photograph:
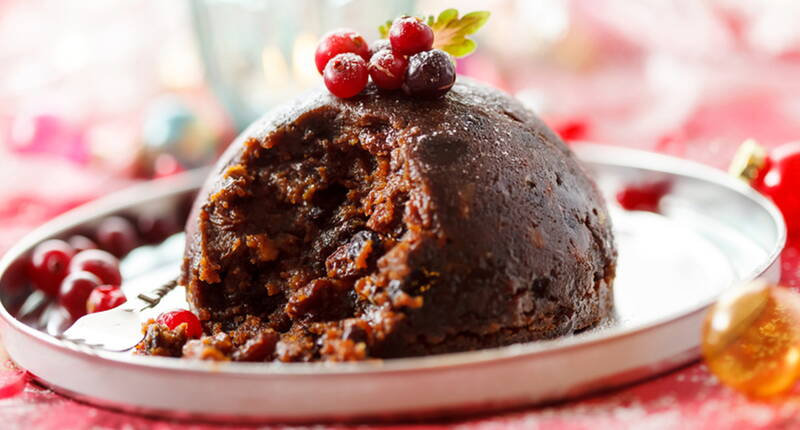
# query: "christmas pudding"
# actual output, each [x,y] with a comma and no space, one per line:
[440,218]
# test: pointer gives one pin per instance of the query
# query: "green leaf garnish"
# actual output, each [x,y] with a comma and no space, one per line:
[450,32]
[384,29]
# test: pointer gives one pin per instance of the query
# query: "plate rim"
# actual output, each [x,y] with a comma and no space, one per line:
[185,182]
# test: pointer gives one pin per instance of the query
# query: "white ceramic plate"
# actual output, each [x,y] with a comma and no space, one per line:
[713,232]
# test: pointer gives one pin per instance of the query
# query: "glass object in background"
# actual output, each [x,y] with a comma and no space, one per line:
[260,53]
[78,80]
[612,71]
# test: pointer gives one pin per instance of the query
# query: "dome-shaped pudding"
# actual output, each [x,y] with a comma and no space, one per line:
[385,226]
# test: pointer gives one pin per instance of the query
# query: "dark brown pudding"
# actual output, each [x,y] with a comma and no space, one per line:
[383,226]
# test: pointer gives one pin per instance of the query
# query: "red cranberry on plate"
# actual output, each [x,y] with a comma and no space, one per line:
[49,265]
[81,243]
[104,297]
[98,262]
[643,197]
[156,228]
[75,291]
[177,317]
[117,236]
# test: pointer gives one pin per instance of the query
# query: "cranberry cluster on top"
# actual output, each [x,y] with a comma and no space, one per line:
[406,60]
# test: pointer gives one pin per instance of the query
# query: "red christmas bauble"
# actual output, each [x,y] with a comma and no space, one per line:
[780,181]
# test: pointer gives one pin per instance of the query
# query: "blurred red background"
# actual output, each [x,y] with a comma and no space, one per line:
[97,94]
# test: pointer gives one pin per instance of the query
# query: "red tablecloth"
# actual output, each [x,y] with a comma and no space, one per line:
[686,398]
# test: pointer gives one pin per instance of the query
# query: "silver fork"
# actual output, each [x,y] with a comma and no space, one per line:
[120,329]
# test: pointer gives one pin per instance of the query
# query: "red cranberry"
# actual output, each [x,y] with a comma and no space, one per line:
[388,69]
[104,297]
[346,75]
[643,197]
[49,265]
[17,276]
[409,35]
[156,228]
[340,42]
[81,243]
[117,236]
[173,319]
[430,74]
[378,46]
[75,290]
[184,206]
[98,262]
